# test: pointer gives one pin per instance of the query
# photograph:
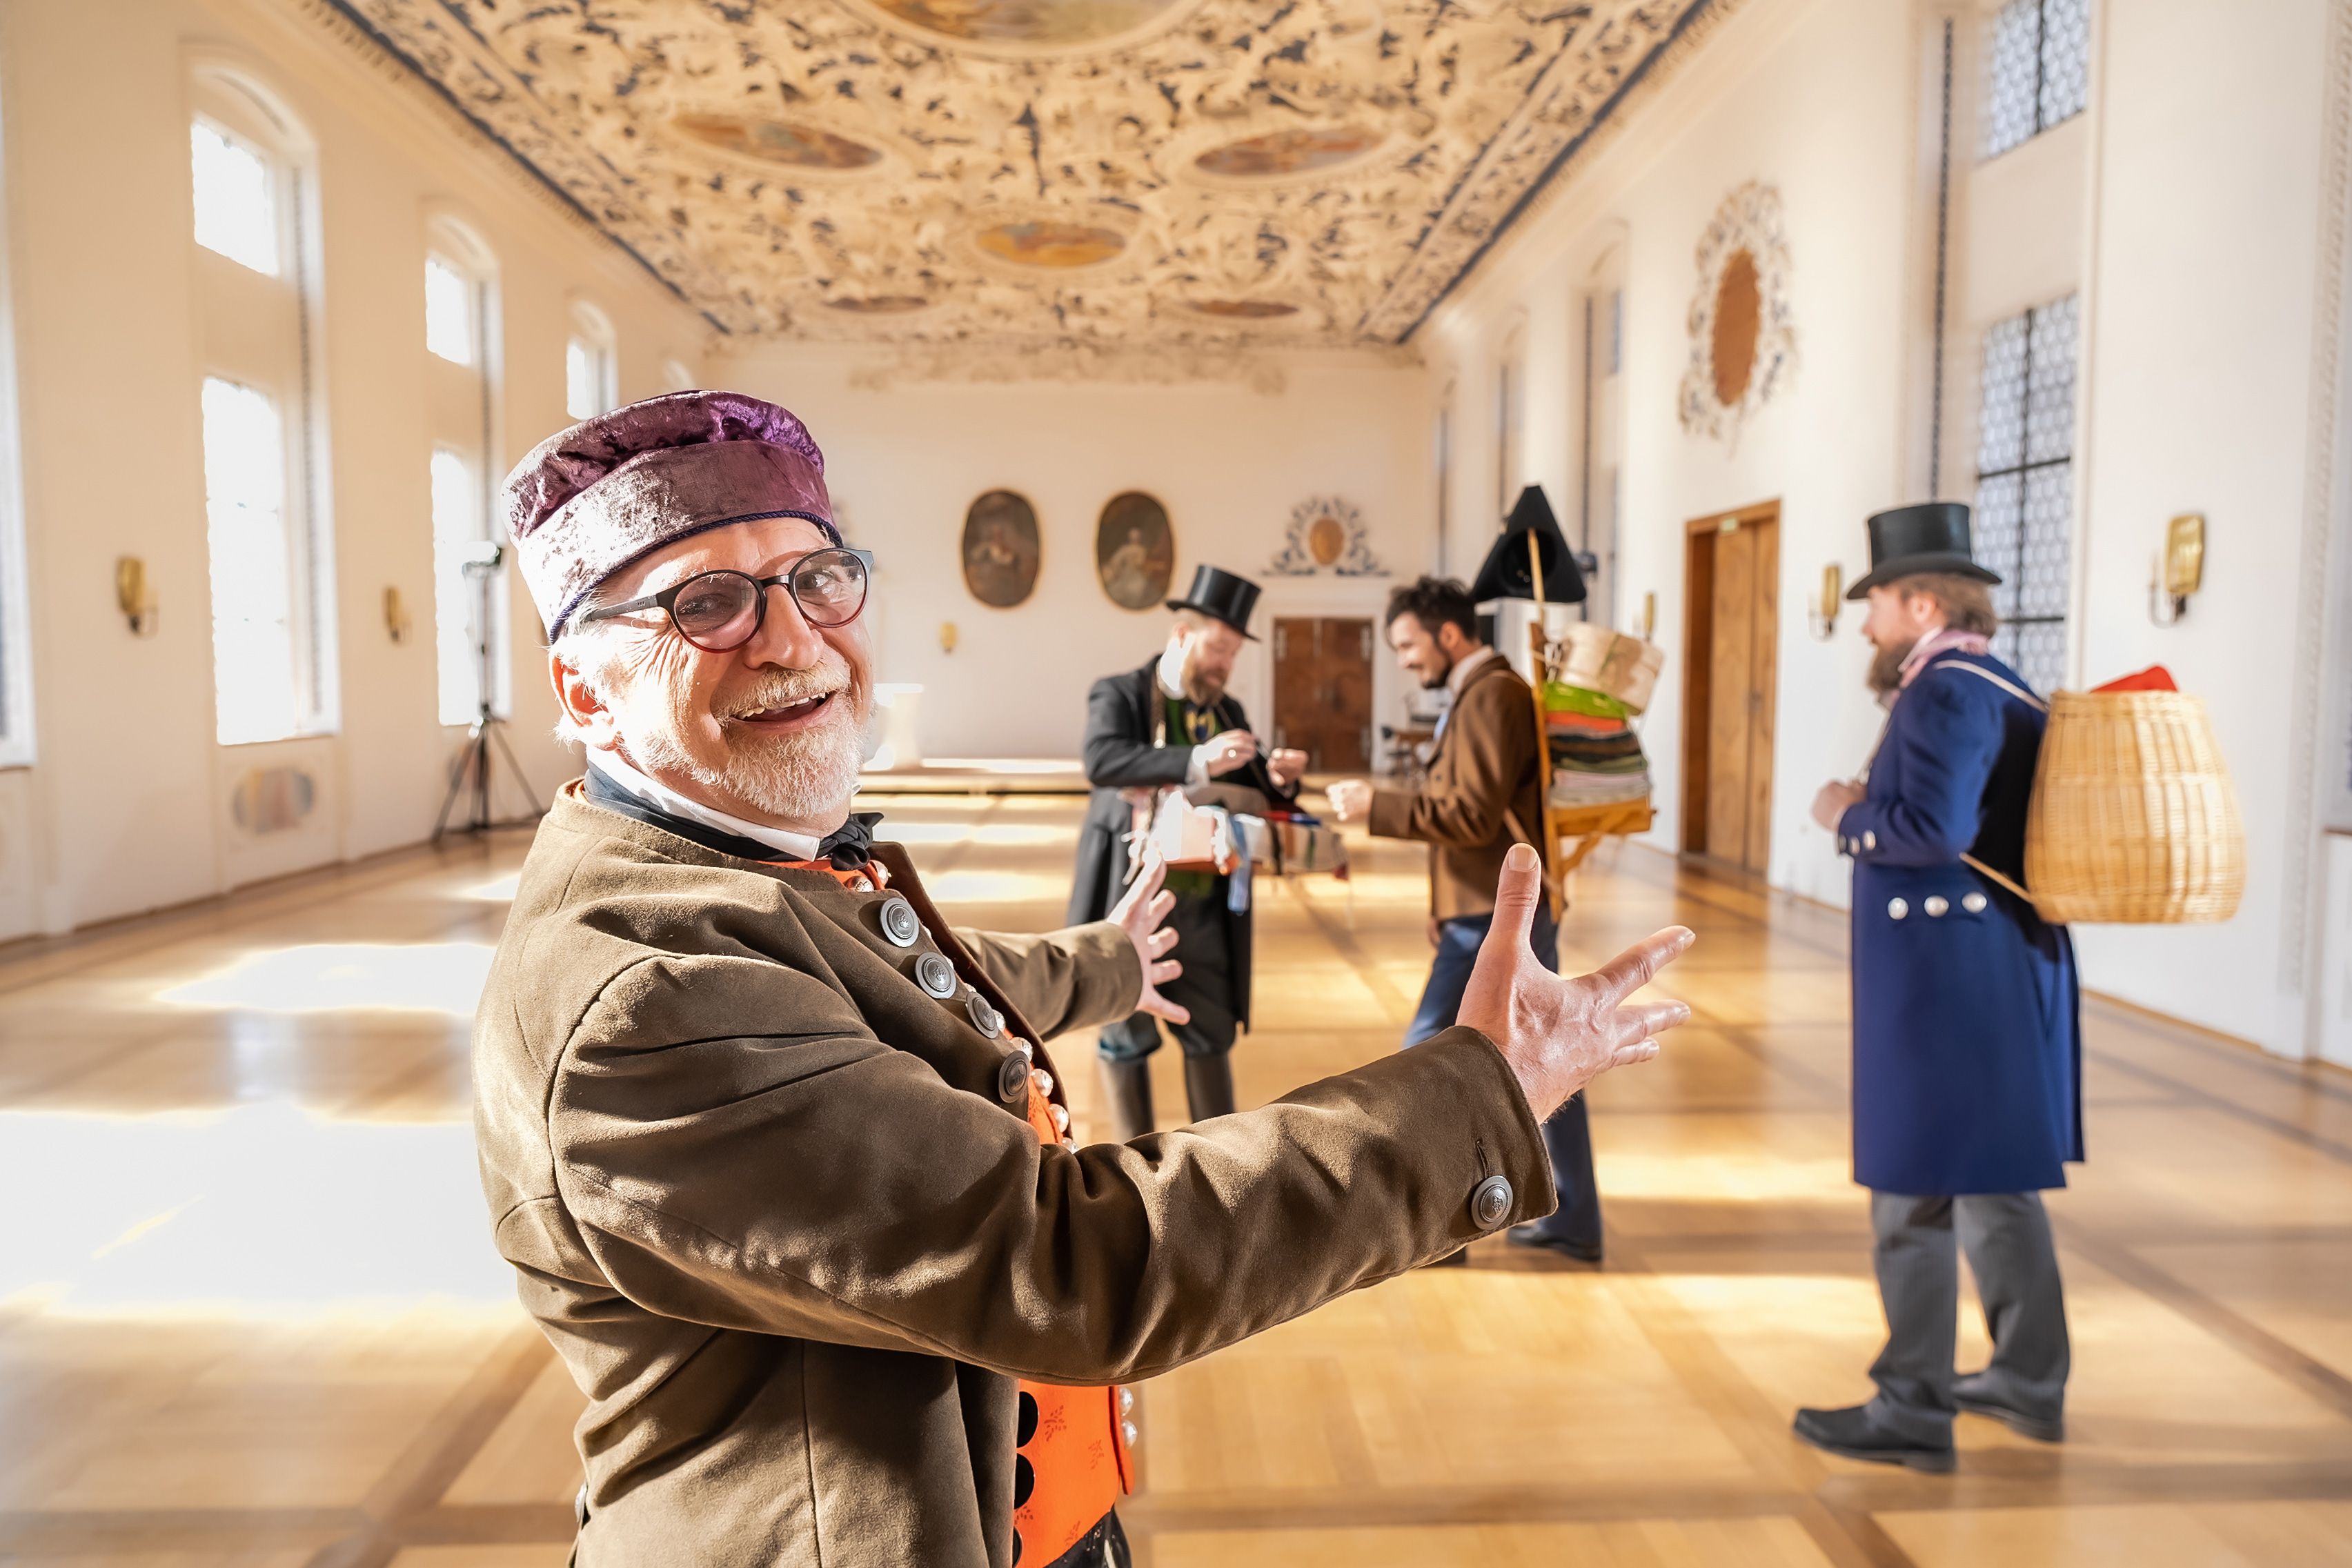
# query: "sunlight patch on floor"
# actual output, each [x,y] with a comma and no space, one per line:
[431,976]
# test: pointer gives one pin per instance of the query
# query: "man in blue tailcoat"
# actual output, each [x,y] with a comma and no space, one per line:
[1967,1028]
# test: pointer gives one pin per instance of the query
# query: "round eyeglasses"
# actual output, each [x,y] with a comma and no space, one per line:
[717,610]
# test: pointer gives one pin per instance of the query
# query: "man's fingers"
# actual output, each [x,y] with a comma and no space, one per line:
[1652,1019]
[1161,1007]
[1516,892]
[1164,970]
[1638,965]
[1160,904]
[1160,941]
[1639,1052]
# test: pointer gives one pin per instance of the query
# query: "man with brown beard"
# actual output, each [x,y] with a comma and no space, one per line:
[1967,1038]
[779,1155]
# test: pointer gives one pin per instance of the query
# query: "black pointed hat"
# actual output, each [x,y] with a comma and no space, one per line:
[1507,575]
[1218,593]
[1930,537]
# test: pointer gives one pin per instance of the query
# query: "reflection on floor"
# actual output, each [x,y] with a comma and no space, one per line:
[249,1316]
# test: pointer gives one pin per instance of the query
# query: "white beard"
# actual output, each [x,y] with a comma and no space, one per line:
[805,777]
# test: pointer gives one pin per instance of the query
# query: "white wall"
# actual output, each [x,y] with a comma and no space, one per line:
[2194,238]
[1229,464]
[125,799]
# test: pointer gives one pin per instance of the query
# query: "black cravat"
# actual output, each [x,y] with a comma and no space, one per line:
[850,845]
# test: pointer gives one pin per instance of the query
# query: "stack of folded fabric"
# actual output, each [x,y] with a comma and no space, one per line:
[1596,758]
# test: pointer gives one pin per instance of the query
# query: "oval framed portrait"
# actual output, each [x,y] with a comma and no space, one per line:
[1001,549]
[1135,551]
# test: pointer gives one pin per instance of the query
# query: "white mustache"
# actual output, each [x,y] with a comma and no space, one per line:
[782,689]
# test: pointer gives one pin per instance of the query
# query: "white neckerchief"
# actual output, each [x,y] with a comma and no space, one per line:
[1171,671]
[796,846]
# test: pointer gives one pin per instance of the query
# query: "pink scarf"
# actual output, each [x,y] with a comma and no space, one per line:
[1951,640]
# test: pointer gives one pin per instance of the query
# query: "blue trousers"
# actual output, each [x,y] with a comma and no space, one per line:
[1568,1134]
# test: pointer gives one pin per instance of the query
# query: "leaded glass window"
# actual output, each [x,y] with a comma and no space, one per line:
[2025,485]
[2037,71]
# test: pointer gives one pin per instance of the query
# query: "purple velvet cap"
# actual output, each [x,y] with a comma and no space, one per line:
[610,490]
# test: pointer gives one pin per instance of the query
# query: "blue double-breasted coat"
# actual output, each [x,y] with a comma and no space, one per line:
[1967,1013]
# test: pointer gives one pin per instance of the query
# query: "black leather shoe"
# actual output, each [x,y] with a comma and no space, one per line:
[1534,1235]
[1974,1395]
[1851,1434]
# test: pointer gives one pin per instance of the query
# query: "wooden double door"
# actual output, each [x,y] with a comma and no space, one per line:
[1323,690]
[1732,657]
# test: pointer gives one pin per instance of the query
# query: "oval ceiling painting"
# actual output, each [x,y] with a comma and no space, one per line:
[1001,549]
[1282,152]
[1037,24]
[877,304]
[778,142]
[1135,551]
[1243,309]
[1052,245]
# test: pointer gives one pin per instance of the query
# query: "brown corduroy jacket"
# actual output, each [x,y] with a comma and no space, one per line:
[1486,762]
[764,1198]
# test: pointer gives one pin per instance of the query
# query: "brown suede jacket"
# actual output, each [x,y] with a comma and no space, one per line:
[1488,761]
[762,1194]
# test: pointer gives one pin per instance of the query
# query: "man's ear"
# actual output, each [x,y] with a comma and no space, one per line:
[589,720]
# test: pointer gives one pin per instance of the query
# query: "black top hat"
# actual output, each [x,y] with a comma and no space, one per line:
[1930,537]
[1508,575]
[1218,593]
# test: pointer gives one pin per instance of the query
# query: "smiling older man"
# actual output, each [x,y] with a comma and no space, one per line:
[779,1155]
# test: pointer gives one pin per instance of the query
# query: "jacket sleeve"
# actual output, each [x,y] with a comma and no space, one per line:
[1946,748]
[1117,758]
[766,1163]
[1490,754]
[1062,980]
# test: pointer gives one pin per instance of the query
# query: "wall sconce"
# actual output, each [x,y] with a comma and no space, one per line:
[2179,570]
[947,636]
[1820,617]
[395,617]
[1649,615]
[131,596]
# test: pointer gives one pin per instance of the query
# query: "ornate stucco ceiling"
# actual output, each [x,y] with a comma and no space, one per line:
[1117,172]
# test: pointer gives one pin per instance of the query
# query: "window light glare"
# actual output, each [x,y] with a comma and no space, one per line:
[584,378]
[448,312]
[245,507]
[457,597]
[236,211]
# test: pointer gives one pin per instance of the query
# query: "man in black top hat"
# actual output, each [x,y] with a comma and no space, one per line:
[1967,1034]
[1171,722]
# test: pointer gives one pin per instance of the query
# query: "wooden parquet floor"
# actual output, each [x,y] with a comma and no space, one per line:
[249,1317]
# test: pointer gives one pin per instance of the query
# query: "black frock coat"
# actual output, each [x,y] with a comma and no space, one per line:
[1121,754]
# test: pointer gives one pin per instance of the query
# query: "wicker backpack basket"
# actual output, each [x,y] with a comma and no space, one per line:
[2133,820]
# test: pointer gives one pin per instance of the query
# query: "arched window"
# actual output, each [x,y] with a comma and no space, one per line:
[590,380]
[677,378]
[473,673]
[252,177]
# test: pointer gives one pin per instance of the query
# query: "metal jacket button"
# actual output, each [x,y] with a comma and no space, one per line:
[1870,838]
[1974,904]
[1896,909]
[899,922]
[986,1019]
[1012,1080]
[1490,1202]
[936,975]
[1935,905]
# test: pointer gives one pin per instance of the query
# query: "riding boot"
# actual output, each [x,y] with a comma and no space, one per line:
[1126,1096]
[1209,1086]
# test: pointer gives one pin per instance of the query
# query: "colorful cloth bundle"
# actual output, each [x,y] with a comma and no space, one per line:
[1596,758]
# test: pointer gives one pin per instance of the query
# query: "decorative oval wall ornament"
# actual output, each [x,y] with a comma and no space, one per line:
[1002,549]
[1043,243]
[1325,537]
[272,800]
[1135,551]
[795,145]
[1743,339]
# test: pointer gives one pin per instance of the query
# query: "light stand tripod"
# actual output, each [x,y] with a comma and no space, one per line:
[473,761]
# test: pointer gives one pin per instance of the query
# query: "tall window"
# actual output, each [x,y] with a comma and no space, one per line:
[589,382]
[1507,398]
[272,642]
[2038,71]
[470,589]
[2025,485]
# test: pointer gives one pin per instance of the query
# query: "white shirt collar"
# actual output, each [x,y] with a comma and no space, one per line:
[1171,671]
[794,846]
[1467,666]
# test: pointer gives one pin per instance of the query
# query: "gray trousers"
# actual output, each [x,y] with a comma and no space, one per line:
[2007,1238]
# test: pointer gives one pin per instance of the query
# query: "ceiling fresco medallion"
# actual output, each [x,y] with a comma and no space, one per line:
[1743,336]
[1048,244]
[798,146]
[1354,159]
[1241,309]
[877,304]
[1055,24]
[1285,154]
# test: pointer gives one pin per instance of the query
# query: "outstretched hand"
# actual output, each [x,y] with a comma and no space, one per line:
[1559,1034]
[1139,914]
